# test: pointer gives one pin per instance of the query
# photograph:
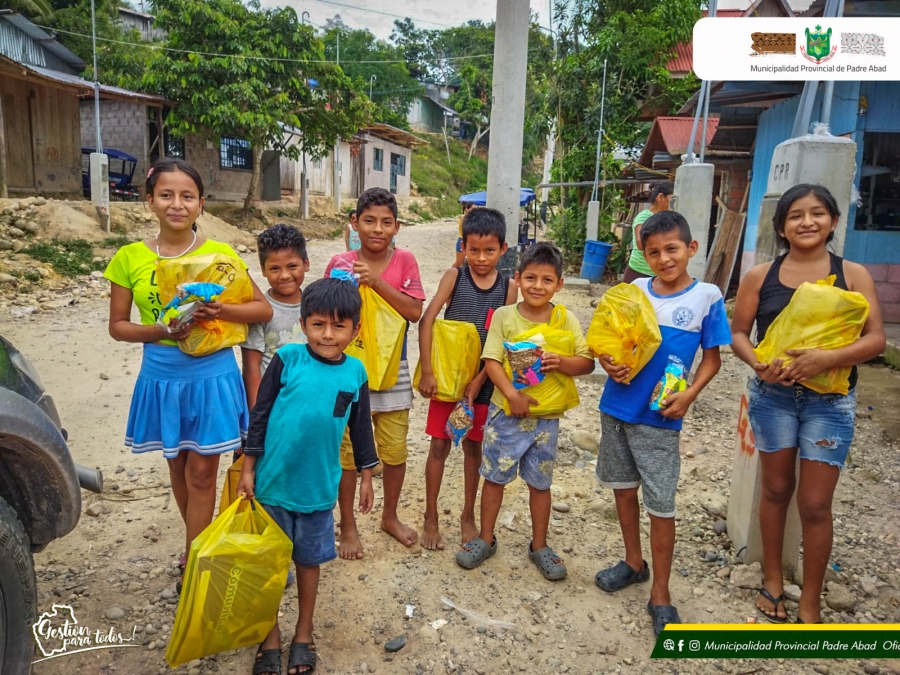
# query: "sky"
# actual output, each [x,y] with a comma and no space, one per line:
[425,13]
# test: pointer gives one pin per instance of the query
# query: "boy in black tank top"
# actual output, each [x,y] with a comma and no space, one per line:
[471,293]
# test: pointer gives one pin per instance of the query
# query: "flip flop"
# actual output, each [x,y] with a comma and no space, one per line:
[268,662]
[775,602]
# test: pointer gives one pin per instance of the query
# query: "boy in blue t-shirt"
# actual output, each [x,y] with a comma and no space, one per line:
[639,446]
[309,394]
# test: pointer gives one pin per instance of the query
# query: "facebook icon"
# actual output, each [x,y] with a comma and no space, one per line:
[680,645]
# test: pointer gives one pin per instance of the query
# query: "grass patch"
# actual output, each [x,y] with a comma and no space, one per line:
[115,242]
[434,176]
[70,258]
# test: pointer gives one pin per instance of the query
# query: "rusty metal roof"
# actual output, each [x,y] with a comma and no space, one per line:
[672,135]
[394,135]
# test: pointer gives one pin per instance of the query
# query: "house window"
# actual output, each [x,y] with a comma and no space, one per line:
[879,185]
[378,159]
[317,163]
[174,146]
[399,164]
[235,153]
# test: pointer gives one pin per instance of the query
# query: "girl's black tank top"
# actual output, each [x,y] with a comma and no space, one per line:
[774,296]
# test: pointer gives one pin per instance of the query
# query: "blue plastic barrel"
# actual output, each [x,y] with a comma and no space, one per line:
[594,263]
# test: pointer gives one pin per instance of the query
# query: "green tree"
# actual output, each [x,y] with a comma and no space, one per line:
[34,9]
[237,70]
[636,38]
[364,56]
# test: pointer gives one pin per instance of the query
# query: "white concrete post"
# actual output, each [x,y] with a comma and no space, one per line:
[593,220]
[693,199]
[336,182]
[508,118]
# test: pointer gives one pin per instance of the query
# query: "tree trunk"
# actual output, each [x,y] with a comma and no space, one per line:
[254,180]
[479,134]
[446,144]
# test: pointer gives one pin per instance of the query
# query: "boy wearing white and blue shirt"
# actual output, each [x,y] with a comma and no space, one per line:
[639,446]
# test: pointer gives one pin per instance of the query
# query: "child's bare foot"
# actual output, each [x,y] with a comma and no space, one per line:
[431,537]
[468,528]
[350,544]
[402,533]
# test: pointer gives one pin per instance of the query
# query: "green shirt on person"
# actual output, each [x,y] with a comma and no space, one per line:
[637,261]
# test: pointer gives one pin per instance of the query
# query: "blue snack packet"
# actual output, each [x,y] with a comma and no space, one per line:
[672,380]
[525,362]
[460,422]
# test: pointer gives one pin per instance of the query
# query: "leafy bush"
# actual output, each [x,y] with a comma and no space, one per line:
[70,257]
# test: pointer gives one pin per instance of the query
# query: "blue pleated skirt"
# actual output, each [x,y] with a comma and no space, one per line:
[184,402]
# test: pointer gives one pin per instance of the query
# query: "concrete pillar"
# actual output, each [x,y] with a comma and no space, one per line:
[336,181]
[508,118]
[593,220]
[693,199]
[304,196]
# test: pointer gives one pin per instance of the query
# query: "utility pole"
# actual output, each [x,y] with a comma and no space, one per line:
[371,80]
[336,154]
[99,162]
[508,119]
[304,181]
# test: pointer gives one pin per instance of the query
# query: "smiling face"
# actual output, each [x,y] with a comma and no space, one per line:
[808,223]
[329,336]
[285,271]
[668,255]
[376,226]
[176,201]
[483,252]
[538,283]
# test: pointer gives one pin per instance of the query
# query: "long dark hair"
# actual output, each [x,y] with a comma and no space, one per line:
[787,200]
[168,165]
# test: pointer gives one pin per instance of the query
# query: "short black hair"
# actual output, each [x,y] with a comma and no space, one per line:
[542,253]
[281,237]
[787,200]
[484,223]
[351,213]
[376,197]
[666,221]
[337,298]
[663,187]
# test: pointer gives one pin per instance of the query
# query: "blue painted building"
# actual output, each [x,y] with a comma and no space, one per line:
[868,113]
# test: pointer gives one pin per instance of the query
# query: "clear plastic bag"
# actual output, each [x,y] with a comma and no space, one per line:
[233,584]
[819,316]
[460,422]
[672,380]
[624,326]
[379,344]
[555,393]
[455,358]
[215,268]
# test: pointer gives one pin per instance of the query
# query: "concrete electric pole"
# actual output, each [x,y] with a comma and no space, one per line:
[508,119]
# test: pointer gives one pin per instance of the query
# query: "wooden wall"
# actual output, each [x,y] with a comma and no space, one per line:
[43,135]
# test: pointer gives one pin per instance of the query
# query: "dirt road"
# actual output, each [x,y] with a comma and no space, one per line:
[116,569]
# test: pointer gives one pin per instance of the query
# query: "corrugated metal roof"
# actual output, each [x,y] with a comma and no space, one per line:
[394,135]
[42,41]
[85,88]
[684,51]
[672,135]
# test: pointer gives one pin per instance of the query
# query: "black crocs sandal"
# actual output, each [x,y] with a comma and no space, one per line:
[302,654]
[619,576]
[774,618]
[662,615]
[268,662]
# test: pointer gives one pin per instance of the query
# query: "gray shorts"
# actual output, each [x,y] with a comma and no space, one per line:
[638,454]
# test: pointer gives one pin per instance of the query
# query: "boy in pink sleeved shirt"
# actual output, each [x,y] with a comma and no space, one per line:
[394,275]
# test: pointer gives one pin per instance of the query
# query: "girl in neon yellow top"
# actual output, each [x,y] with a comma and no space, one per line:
[191,408]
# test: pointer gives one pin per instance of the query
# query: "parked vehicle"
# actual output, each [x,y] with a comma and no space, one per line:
[121,173]
[527,201]
[40,498]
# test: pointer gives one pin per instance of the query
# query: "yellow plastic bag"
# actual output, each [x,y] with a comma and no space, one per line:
[229,489]
[819,316]
[455,358]
[625,327]
[379,344]
[556,393]
[233,585]
[217,268]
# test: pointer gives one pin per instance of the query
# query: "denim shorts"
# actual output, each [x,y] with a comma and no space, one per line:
[311,533]
[523,445]
[820,425]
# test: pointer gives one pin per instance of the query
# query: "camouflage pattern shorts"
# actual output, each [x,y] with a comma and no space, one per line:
[525,445]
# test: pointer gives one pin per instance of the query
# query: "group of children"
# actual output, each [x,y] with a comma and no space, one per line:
[315,428]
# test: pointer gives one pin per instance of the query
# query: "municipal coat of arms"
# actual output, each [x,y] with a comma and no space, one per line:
[818,47]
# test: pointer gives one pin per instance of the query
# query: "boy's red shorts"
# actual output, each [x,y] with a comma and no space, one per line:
[439,413]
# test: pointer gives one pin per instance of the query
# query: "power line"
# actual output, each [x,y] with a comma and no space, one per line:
[378,11]
[156,47]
